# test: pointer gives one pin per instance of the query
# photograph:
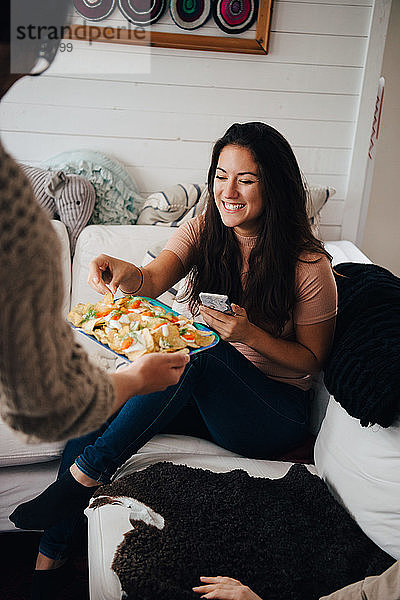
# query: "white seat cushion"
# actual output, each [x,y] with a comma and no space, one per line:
[14,452]
[361,465]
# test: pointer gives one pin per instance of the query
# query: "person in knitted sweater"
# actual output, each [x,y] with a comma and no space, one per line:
[49,390]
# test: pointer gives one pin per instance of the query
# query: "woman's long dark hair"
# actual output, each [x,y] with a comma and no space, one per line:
[268,293]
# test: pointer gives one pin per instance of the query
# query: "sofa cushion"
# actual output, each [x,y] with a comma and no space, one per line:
[362,468]
[14,452]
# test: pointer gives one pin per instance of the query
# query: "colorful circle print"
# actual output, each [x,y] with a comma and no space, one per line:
[142,12]
[94,10]
[190,14]
[235,16]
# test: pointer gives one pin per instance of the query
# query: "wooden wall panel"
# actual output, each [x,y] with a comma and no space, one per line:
[159,111]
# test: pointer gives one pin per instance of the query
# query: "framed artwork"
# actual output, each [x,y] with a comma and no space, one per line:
[141,36]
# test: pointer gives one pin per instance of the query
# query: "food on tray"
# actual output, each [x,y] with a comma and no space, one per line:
[133,326]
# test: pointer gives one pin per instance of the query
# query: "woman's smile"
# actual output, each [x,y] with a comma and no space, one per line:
[233,207]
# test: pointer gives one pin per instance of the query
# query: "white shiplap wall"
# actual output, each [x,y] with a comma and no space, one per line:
[161,123]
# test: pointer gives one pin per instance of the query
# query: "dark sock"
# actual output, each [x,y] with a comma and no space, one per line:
[60,499]
[47,584]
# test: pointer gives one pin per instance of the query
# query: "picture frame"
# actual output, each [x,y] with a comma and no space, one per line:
[186,41]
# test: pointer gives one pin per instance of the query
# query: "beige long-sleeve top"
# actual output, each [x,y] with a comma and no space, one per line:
[48,388]
[382,587]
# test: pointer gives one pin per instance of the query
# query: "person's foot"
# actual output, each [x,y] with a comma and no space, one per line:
[62,498]
[47,583]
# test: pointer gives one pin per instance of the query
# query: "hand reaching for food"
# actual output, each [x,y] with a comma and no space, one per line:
[107,274]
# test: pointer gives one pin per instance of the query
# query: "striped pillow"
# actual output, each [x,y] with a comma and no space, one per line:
[174,206]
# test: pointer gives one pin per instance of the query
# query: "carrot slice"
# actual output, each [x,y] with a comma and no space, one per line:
[103,313]
[126,343]
[188,336]
[135,304]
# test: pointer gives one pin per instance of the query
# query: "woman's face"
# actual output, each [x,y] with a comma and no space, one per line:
[237,190]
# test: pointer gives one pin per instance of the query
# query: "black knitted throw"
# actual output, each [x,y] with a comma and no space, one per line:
[287,538]
[363,370]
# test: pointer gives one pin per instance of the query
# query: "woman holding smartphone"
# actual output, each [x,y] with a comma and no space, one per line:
[250,392]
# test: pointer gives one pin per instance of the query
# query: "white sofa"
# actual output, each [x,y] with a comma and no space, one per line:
[26,470]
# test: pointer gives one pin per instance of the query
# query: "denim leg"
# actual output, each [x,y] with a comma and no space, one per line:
[56,540]
[140,418]
[244,410]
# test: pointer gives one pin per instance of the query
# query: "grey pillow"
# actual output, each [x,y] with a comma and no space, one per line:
[70,198]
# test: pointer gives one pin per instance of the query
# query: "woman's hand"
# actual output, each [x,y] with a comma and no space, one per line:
[149,373]
[157,371]
[107,274]
[231,328]
[224,588]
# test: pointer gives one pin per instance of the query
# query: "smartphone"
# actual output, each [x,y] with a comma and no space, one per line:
[216,301]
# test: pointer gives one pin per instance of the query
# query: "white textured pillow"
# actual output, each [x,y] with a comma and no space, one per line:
[361,465]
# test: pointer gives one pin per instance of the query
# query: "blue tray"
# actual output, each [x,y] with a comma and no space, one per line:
[168,309]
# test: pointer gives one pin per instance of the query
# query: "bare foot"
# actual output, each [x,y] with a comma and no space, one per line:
[44,563]
[82,478]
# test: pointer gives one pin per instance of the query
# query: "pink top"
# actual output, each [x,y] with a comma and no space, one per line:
[316,297]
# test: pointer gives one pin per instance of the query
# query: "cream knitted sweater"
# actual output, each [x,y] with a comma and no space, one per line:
[48,388]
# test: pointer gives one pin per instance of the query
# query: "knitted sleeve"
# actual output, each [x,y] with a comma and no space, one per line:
[49,390]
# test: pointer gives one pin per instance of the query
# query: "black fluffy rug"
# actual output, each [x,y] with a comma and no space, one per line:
[287,538]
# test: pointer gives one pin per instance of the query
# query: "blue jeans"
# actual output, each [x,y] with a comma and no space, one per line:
[241,409]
